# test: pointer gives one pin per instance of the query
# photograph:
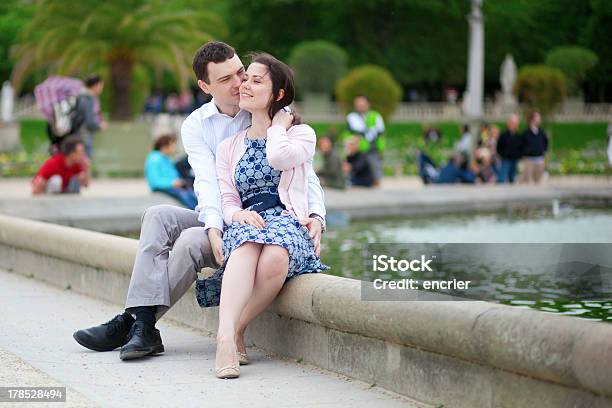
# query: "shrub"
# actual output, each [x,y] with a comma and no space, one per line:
[540,87]
[574,62]
[317,65]
[374,82]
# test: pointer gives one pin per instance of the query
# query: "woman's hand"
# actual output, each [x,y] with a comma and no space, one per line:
[216,243]
[283,118]
[250,218]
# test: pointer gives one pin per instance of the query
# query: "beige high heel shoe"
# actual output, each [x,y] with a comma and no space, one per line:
[231,370]
[243,359]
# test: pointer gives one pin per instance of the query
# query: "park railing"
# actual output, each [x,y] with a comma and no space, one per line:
[442,111]
[328,111]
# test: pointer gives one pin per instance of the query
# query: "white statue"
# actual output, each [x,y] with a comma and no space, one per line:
[507,78]
[6,100]
[507,75]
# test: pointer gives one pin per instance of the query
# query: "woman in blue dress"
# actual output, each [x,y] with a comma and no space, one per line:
[262,174]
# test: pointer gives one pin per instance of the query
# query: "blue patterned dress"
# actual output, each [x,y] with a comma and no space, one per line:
[255,176]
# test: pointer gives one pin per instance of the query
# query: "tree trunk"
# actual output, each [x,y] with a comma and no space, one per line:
[121,79]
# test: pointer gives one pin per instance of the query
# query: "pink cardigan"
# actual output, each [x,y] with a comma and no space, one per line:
[290,151]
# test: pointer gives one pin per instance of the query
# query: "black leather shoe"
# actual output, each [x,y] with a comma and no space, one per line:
[144,340]
[107,336]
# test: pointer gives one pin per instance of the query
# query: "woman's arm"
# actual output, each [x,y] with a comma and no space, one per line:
[287,149]
[230,199]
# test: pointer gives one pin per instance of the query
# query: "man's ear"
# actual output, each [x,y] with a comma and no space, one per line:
[281,95]
[203,86]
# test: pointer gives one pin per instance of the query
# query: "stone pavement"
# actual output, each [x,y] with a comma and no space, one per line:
[19,188]
[37,349]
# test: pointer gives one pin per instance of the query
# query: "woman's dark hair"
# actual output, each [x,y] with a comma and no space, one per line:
[282,78]
[163,141]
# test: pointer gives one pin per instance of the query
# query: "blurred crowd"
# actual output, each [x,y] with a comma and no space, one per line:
[364,144]
[72,110]
[491,156]
[494,157]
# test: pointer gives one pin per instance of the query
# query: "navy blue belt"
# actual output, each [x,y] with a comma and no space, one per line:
[262,202]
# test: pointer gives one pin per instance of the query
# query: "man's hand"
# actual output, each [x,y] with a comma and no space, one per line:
[314,230]
[216,243]
[178,183]
[249,217]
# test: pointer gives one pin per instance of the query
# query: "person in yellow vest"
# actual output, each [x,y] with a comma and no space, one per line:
[370,126]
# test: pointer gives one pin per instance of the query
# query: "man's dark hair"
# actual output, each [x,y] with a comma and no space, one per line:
[69,144]
[163,141]
[92,80]
[212,51]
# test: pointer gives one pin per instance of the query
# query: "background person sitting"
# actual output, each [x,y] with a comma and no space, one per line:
[162,175]
[65,171]
[331,173]
[360,172]
[456,170]
[485,168]
[428,171]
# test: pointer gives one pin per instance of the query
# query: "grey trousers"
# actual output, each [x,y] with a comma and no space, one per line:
[172,249]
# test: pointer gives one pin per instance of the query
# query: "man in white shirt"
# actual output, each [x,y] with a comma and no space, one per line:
[176,243]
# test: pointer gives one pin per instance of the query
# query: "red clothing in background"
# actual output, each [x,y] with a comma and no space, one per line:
[57,165]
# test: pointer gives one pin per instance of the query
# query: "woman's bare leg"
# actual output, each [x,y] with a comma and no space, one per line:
[236,289]
[270,276]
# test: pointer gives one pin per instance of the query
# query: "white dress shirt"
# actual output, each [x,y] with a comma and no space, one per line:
[201,133]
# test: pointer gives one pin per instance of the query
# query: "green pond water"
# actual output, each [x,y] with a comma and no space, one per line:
[342,246]
[342,251]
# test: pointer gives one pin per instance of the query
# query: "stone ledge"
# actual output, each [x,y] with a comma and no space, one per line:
[548,352]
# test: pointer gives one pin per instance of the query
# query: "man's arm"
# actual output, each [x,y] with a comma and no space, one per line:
[316,196]
[202,161]
[372,133]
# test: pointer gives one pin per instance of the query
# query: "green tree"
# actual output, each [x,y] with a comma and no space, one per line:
[574,62]
[72,37]
[540,87]
[597,36]
[374,82]
[318,65]
[13,16]
[409,38]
